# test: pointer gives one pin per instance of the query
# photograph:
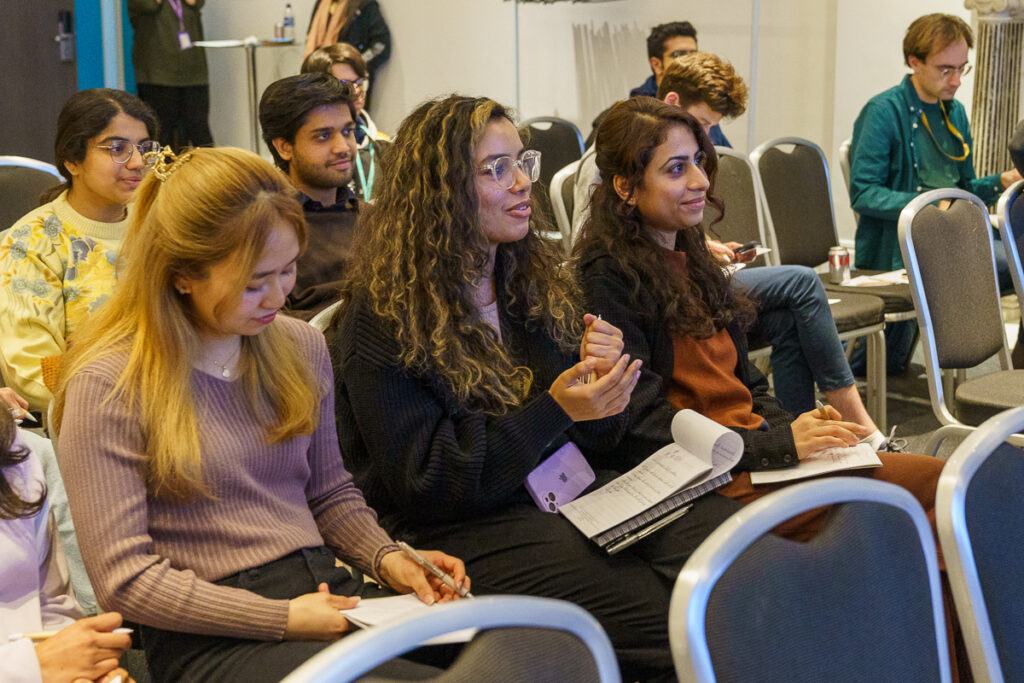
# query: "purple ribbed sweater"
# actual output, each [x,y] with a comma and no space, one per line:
[153,559]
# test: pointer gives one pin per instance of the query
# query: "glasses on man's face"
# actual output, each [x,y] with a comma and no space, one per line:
[947,71]
[503,169]
[359,84]
[121,151]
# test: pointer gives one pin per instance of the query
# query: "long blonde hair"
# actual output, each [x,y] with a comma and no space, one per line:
[420,251]
[216,204]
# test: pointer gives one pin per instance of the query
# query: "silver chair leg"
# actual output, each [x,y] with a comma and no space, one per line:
[876,378]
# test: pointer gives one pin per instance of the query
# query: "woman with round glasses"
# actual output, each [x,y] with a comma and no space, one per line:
[57,262]
[461,352]
[344,62]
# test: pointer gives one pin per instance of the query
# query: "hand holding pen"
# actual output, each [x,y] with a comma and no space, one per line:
[823,428]
[434,576]
[602,342]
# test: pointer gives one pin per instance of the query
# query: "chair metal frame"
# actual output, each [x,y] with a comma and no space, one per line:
[10,160]
[562,216]
[937,388]
[360,652]
[761,206]
[844,166]
[876,379]
[1013,256]
[697,579]
[951,520]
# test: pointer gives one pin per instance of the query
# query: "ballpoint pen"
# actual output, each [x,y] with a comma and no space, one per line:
[40,636]
[591,376]
[822,413]
[433,569]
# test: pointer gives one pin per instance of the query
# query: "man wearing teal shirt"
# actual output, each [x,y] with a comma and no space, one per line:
[910,139]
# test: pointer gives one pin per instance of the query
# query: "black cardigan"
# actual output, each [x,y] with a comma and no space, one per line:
[608,292]
[419,456]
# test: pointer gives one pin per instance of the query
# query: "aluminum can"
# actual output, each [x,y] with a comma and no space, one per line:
[838,265]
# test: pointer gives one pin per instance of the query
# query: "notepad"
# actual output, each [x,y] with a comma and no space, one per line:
[372,612]
[826,461]
[893,277]
[697,462]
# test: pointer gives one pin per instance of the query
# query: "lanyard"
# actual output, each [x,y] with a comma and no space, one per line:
[176,6]
[951,129]
[364,182]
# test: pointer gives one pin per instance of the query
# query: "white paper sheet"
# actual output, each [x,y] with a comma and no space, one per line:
[822,462]
[711,448]
[379,611]
[893,277]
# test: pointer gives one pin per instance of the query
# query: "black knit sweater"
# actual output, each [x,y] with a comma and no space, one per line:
[608,292]
[419,456]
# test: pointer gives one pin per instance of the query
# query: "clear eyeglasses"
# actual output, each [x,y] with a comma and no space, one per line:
[947,71]
[359,84]
[503,169]
[121,151]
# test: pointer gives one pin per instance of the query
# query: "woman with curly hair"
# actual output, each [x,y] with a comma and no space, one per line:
[646,267]
[458,365]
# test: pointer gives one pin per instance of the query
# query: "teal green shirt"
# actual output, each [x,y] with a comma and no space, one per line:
[893,159]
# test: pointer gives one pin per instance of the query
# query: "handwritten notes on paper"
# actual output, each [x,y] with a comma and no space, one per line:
[702,449]
[825,461]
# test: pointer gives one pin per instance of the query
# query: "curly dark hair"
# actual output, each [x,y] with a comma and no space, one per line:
[420,252]
[705,301]
[13,506]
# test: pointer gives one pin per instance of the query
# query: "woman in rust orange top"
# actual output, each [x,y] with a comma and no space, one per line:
[646,268]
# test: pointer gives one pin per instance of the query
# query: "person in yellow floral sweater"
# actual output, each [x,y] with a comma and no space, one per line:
[57,263]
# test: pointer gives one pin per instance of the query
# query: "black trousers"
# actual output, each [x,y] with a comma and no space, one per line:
[183,112]
[173,656]
[520,549]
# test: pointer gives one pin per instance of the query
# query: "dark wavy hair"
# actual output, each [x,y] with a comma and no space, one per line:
[12,506]
[420,251]
[705,301]
[83,117]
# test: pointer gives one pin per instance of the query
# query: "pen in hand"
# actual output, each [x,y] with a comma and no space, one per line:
[591,376]
[822,413]
[433,569]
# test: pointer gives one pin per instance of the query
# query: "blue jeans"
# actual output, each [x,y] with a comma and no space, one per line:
[794,317]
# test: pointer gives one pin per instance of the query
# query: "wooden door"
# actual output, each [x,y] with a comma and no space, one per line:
[34,80]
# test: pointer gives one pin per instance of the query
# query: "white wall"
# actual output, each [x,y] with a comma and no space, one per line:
[818,61]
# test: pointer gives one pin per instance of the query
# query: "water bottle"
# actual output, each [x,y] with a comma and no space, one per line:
[289,22]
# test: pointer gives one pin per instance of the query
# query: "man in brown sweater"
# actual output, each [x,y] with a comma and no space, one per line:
[308,124]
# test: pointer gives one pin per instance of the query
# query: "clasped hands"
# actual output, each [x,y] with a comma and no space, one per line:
[614,376]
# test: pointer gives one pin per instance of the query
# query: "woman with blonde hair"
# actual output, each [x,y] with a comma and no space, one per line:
[198,442]
[460,352]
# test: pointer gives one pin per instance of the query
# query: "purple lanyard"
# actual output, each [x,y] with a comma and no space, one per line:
[176,6]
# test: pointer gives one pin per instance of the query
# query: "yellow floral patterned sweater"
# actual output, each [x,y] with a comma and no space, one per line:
[56,268]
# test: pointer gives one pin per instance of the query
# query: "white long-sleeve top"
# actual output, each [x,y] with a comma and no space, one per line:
[35,589]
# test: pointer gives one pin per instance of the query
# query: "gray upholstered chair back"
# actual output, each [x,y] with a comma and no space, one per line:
[981,528]
[560,642]
[954,266]
[798,194]
[20,187]
[859,602]
[736,187]
[560,143]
